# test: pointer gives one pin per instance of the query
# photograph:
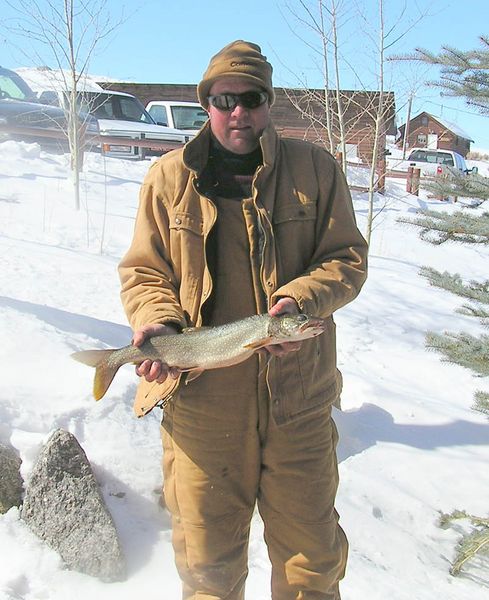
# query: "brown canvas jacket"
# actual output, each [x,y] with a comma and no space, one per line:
[311,250]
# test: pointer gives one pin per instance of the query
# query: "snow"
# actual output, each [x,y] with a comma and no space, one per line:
[410,446]
[44,78]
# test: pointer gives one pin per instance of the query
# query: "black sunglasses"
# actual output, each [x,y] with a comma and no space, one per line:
[228,102]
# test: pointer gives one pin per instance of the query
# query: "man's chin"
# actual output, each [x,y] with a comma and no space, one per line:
[241,144]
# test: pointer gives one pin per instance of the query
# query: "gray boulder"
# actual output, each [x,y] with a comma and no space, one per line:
[64,507]
[10,479]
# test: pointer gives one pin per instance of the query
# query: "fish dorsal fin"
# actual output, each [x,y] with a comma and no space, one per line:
[259,343]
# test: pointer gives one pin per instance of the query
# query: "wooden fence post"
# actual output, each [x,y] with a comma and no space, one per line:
[415,181]
[409,179]
[381,171]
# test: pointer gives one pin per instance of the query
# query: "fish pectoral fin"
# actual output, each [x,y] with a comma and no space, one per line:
[267,362]
[259,344]
[193,374]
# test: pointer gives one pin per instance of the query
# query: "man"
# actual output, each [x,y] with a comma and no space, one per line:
[241,222]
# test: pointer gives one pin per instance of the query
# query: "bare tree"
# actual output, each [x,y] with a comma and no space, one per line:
[66,33]
[357,117]
[386,38]
[378,122]
[324,108]
[333,14]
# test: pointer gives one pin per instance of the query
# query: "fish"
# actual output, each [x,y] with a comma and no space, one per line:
[197,349]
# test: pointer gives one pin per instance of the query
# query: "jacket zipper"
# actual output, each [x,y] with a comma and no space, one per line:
[262,244]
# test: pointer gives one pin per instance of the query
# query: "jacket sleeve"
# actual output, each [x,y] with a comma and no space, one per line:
[149,289]
[338,267]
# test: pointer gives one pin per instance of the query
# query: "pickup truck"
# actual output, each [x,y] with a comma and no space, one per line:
[185,116]
[435,161]
[118,114]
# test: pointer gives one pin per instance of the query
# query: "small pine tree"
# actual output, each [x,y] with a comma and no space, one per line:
[481,403]
[466,75]
[462,74]
[474,543]
[475,290]
[475,311]
[467,351]
[459,185]
[462,348]
[440,227]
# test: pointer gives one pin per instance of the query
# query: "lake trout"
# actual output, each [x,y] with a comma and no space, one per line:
[200,348]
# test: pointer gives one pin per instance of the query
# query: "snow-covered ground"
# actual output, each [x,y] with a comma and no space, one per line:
[410,444]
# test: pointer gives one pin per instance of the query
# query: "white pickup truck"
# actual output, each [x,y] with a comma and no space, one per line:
[435,161]
[185,116]
[119,115]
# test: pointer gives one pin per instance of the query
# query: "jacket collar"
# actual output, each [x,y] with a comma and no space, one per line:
[196,152]
[269,146]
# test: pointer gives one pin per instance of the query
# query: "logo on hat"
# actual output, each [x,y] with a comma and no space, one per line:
[241,64]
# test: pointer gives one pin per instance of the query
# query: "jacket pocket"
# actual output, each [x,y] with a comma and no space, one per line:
[294,228]
[304,381]
[297,211]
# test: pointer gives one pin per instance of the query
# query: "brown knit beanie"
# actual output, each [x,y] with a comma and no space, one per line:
[237,59]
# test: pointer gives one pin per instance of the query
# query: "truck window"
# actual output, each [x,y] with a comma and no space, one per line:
[188,117]
[49,97]
[9,88]
[445,159]
[434,157]
[418,155]
[431,157]
[98,105]
[131,109]
[159,114]
[113,106]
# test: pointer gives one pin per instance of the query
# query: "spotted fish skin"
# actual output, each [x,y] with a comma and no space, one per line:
[201,348]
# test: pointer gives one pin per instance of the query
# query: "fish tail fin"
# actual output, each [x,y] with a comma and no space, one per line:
[104,370]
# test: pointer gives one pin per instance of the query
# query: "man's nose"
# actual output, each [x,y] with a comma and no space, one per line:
[239,111]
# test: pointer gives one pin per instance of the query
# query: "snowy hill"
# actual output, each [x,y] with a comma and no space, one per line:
[410,444]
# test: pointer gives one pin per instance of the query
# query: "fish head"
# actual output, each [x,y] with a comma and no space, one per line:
[292,328]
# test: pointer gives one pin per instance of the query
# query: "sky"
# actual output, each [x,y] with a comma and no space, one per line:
[159,41]
[410,445]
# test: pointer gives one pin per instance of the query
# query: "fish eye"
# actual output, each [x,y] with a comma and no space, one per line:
[302,318]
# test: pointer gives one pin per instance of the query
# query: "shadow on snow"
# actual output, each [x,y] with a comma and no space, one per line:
[363,427]
[112,334]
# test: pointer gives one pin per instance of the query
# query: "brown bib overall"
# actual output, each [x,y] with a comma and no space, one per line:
[223,454]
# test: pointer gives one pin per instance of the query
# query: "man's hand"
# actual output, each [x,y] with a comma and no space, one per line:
[154,370]
[283,306]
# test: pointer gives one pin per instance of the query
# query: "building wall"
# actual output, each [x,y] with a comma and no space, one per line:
[424,124]
[293,113]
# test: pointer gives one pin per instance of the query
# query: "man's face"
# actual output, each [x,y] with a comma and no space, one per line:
[238,130]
